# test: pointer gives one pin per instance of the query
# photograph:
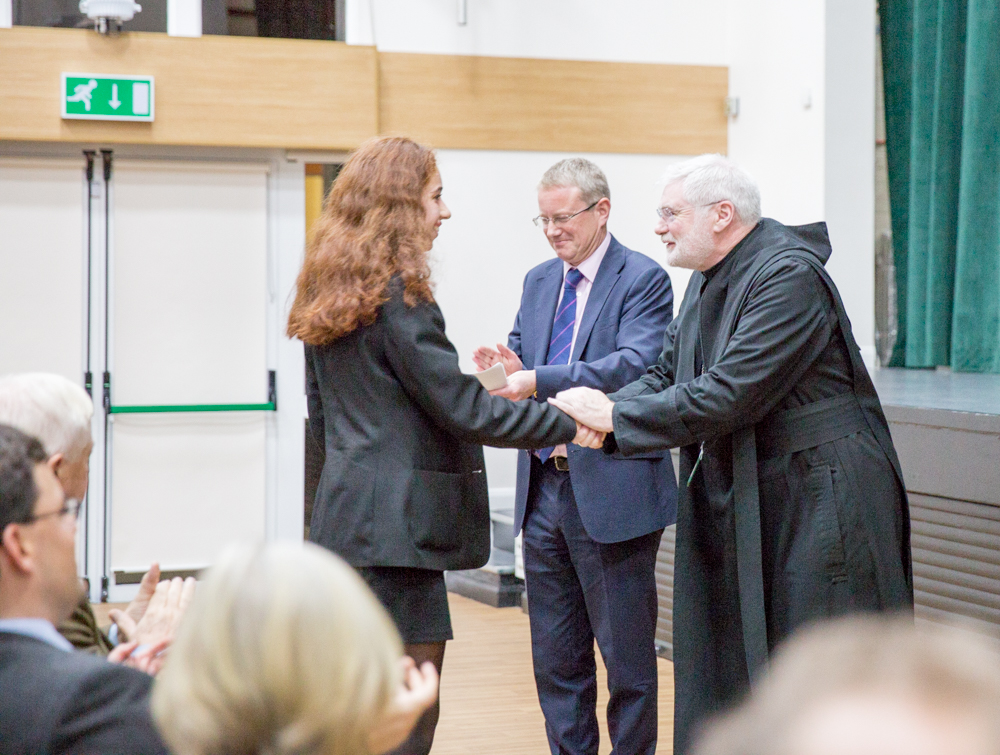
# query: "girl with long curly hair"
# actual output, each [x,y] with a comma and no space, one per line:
[403,493]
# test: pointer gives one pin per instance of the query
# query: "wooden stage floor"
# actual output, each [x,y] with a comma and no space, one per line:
[488,700]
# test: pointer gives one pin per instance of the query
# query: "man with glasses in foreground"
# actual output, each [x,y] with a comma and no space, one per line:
[54,700]
[594,316]
[792,506]
[58,413]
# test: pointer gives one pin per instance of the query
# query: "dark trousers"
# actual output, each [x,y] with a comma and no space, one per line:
[580,590]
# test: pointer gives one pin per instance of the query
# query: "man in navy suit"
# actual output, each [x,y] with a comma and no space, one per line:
[54,700]
[595,317]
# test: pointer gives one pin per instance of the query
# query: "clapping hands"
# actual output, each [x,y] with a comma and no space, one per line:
[415,694]
[484,357]
[149,624]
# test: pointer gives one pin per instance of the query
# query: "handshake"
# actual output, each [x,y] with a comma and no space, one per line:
[590,408]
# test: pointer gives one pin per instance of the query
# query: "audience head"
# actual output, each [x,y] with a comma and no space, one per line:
[38,577]
[379,221]
[870,686]
[574,203]
[284,650]
[708,205]
[58,412]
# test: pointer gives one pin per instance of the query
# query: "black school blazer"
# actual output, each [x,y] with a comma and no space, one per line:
[404,482]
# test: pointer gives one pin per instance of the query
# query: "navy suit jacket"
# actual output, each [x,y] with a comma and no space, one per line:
[53,701]
[628,309]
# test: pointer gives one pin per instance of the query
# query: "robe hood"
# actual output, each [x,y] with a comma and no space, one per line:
[814,237]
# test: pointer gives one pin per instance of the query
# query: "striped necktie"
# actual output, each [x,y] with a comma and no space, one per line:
[562,332]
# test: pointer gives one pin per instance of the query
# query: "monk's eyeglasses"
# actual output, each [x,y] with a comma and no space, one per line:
[667,215]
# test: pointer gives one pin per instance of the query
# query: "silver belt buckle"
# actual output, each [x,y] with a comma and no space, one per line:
[561,462]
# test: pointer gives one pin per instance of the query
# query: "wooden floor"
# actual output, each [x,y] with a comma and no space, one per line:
[489,705]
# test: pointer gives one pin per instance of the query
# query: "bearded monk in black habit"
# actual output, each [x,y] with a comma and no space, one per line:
[792,506]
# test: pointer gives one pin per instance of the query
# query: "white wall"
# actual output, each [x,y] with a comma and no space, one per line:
[804,72]
[641,31]
[42,266]
[849,182]
[776,71]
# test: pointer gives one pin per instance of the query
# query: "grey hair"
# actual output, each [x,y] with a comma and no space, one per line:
[49,407]
[581,173]
[712,178]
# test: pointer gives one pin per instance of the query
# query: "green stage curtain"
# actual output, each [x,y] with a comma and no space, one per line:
[975,342]
[940,66]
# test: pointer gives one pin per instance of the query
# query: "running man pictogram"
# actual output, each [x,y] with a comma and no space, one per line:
[83,93]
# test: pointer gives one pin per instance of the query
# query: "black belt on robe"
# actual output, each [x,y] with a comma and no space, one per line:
[780,434]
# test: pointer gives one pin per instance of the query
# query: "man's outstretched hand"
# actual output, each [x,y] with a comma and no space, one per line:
[587,437]
[587,406]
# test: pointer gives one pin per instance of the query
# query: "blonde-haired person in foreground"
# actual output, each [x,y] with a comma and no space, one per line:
[286,650]
[870,687]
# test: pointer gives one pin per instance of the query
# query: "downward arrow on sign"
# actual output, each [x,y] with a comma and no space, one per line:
[114,102]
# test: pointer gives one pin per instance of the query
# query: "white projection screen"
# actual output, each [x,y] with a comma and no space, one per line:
[42,255]
[188,326]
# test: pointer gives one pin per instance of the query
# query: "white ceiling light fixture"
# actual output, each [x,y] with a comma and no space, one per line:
[109,15]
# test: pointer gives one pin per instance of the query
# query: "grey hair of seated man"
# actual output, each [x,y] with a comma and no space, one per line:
[870,686]
[49,407]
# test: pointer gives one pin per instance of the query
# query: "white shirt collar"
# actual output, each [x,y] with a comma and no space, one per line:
[589,267]
[39,629]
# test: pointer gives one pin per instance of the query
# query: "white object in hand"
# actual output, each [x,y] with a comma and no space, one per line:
[494,378]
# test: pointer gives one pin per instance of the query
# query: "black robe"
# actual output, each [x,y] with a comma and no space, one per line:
[796,510]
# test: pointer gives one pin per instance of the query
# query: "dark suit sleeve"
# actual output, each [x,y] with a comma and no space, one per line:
[647,311]
[514,339]
[314,401]
[109,713]
[426,364]
[659,376]
[784,328]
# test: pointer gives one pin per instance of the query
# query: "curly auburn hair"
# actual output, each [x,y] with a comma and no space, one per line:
[372,229]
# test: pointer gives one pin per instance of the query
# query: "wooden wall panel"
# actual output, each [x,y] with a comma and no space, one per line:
[553,105]
[212,91]
[318,95]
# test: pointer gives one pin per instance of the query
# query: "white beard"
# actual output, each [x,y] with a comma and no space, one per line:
[694,250]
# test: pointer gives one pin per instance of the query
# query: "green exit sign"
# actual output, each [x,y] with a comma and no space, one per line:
[95,97]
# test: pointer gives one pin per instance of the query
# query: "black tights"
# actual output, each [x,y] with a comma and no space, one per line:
[422,736]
